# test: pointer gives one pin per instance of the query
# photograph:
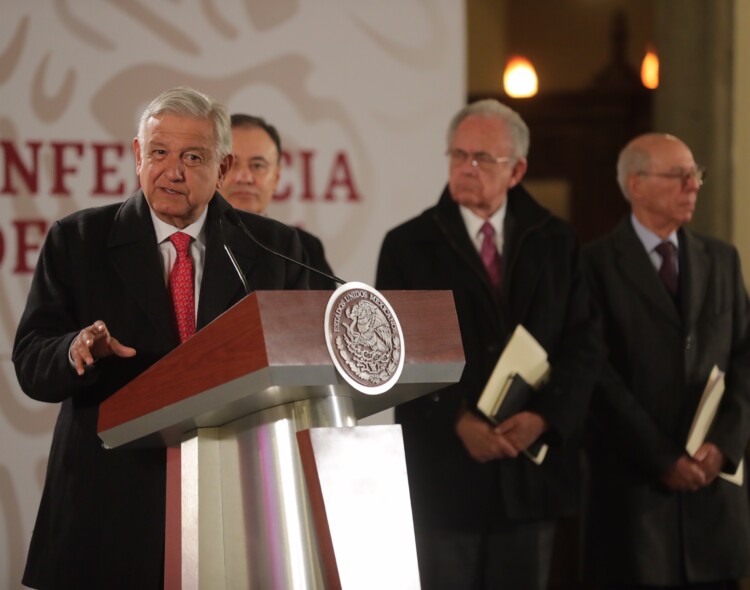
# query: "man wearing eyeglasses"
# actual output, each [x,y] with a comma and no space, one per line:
[483,511]
[674,306]
[254,177]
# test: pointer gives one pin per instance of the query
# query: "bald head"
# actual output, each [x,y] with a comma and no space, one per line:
[636,156]
[658,175]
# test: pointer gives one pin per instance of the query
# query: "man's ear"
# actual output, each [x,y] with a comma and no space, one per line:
[633,184]
[224,167]
[138,155]
[519,170]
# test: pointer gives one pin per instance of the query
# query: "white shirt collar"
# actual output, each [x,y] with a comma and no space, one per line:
[649,239]
[474,223]
[194,230]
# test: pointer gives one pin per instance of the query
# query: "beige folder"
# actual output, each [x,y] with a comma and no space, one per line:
[522,356]
[704,417]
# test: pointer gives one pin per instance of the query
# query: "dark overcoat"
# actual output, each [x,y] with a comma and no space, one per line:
[316,257]
[542,288]
[101,519]
[660,357]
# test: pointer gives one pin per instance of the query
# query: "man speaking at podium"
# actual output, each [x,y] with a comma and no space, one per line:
[115,289]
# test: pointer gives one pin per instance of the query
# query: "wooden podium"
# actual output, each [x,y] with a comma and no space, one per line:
[272,469]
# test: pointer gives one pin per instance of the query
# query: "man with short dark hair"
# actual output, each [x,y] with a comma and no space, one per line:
[254,177]
[674,306]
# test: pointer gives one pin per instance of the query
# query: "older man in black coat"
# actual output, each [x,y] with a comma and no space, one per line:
[658,517]
[99,313]
[484,512]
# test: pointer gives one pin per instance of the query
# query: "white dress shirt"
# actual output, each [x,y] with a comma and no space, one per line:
[474,224]
[168,253]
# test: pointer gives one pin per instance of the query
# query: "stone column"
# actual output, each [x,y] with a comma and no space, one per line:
[694,99]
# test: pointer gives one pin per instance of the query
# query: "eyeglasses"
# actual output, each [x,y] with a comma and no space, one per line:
[482,160]
[684,176]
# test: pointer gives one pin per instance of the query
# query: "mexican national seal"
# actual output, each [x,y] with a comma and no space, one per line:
[364,338]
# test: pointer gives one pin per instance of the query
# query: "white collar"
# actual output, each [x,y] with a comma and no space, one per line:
[164,230]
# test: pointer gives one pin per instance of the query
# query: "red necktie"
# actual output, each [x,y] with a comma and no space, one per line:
[182,289]
[668,268]
[491,257]
[181,286]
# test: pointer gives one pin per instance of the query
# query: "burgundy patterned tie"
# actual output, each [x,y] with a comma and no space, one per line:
[181,286]
[668,268]
[491,257]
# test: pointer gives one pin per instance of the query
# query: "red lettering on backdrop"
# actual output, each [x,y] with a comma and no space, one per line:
[101,169]
[25,246]
[59,168]
[12,160]
[341,177]
[341,181]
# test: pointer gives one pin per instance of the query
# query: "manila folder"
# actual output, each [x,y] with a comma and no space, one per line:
[706,411]
[704,417]
[522,357]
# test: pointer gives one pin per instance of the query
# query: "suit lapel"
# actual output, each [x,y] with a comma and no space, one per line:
[635,265]
[523,264]
[451,224]
[694,276]
[519,279]
[135,257]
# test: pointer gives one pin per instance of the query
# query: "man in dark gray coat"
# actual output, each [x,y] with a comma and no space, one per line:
[484,513]
[99,313]
[674,305]
[254,177]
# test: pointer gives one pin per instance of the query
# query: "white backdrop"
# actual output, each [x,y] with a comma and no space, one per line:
[361,92]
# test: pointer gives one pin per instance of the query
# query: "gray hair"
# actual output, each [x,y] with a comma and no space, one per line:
[631,161]
[489,107]
[186,101]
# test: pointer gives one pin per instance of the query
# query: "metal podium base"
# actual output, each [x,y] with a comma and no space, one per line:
[247,517]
